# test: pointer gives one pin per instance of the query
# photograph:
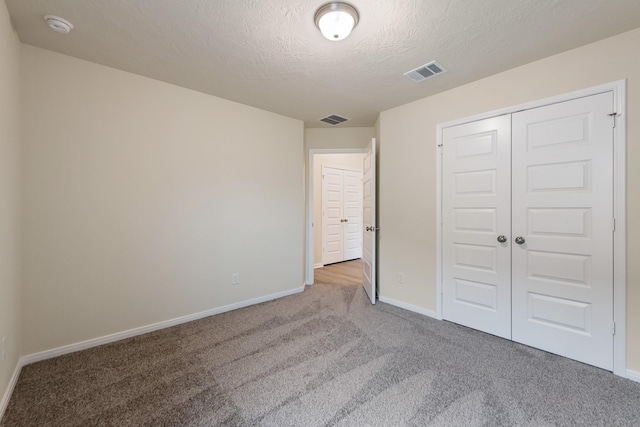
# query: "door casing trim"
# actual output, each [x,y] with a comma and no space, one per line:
[619,89]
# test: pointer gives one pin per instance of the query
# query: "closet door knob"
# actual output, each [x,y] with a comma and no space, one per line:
[502,238]
[520,240]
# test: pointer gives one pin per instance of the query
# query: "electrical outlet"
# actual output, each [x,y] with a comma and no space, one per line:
[3,347]
[400,277]
[235,278]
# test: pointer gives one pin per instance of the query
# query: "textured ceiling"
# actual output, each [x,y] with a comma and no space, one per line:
[269,54]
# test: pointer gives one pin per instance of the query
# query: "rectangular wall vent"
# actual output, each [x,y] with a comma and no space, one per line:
[426,71]
[334,119]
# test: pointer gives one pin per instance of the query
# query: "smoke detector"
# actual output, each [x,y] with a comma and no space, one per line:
[59,25]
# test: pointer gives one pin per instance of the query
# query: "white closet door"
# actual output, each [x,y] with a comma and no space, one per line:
[352,215]
[476,213]
[332,219]
[563,209]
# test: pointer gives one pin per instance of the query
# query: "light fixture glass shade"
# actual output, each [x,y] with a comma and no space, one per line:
[336,20]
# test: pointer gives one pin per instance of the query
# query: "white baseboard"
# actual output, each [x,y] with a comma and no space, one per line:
[106,339]
[410,307]
[12,384]
[318,265]
[633,375]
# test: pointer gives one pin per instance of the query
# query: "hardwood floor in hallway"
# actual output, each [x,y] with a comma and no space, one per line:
[343,273]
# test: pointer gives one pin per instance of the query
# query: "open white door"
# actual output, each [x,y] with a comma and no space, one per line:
[369,221]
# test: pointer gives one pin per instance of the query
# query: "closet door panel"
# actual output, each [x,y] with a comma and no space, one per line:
[563,209]
[476,211]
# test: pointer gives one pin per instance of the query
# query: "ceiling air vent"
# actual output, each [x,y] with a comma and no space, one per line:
[426,71]
[334,119]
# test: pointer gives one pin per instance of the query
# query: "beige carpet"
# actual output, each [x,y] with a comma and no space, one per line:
[323,357]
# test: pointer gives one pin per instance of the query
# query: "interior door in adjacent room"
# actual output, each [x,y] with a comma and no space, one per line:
[369,221]
[332,219]
[352,213]
[341,215]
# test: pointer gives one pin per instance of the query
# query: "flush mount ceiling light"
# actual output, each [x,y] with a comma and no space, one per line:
[59,25]
[336,20]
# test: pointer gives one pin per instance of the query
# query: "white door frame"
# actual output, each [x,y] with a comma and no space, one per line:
[619,89]
[310,194]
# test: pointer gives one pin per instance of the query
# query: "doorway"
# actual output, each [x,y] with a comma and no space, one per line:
[349,158]
[369,221]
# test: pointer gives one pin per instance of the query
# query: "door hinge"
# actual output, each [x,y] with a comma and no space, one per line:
[614,115]
[613,328]
[613,224]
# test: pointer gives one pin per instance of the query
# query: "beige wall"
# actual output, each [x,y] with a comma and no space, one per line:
[315,138]
[142,198]
[9,199]
[351,161]
[407,170]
